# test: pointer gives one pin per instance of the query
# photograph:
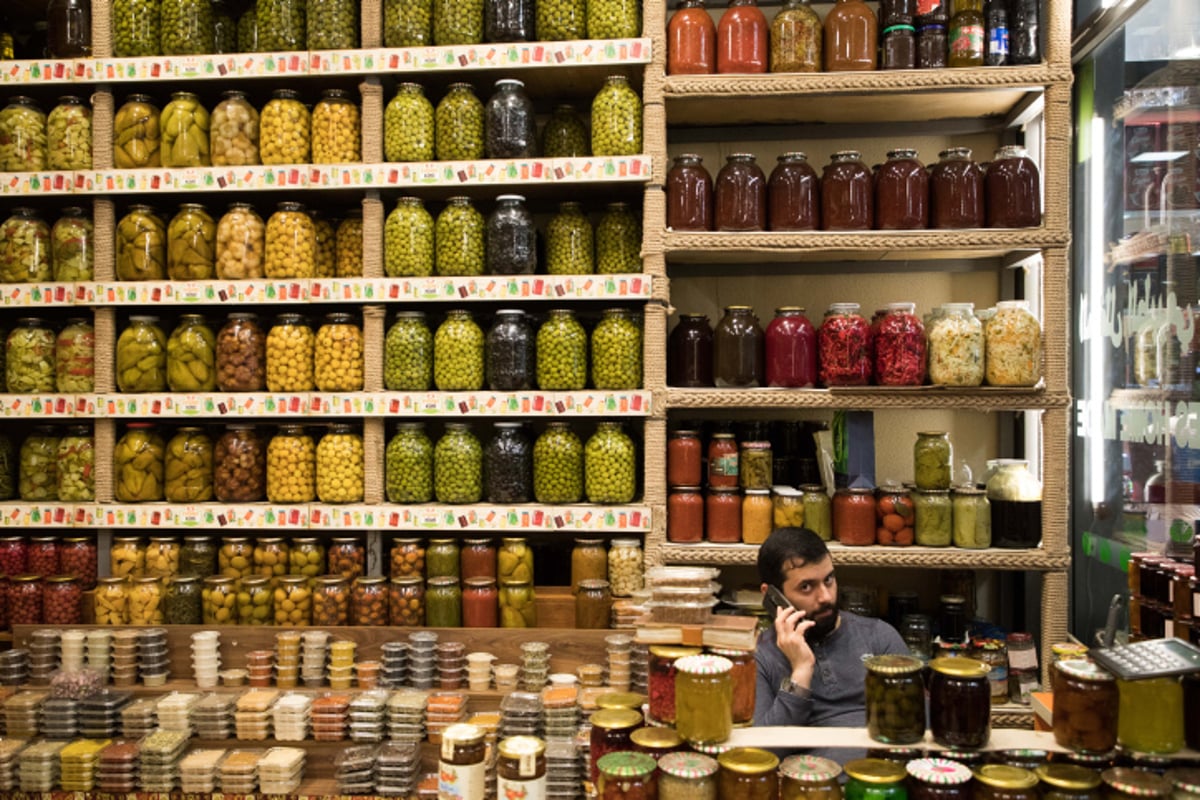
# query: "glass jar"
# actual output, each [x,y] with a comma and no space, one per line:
[616,351]
[625,567]
[1015,497]
[1150,715]
[407,558]
[627,775]
[661,680]
[347,557]
[938,779]
[191,244]
[616,119]
[902,192]
[254,601]
[127,557]
[845,347]
[895,697]
[145,601]
[369,601]
[703,699]
[956,346]
[611,731]
[9,467]
[793,190]
[854,516]
[514,561]
[408,465]
[1013,346]
[241,349]
[25,248]
[521,767]
[593,603]
[960,702]
[185,132]
[240,243]
[38,471]
[562,363]
[408,354]
[1068,782]
[511,238]
[77,556]
[687,776]
[967,35]
[618,241]
[1085,706]
[609,19]
[690,352]
[900,347]
[62,598]
[75,357]
[739,349]
[186,27]
[42,556]
[407,23]
[684,461]
[508,21]
[14,555]
[796,38]
[742,39]
[810,778]
[480,603]
[458,353]
[272,557]
[932,456]
[29,357]
[847,193]
[743,677]
[757,512]
[191,353]
[851,37]
[458,466]
[875,779]
[791,349]
[72,246]
[340,466]
[69,130]
[188,464]
[338,355]
[569,244]
[235,559]
[239,465]
[610,465]
[723,515]
[68,32]
[748,773]
[138,464]
[740,192]
[818,510]
[508,465]
[1013,190]
[331,601]
[754,465]
[183,602]
[689,195]
[290,243]
[136,132]
[198,556]
[972,517]
[459,126]
[23,127]
[141,246]
[234,138]
[898,48]
[291,466]
[408,122]
[1004,782]
[589,561]
[477,559]
[564,134]
[1122,783]
[285,127]
[691,40]
[459,236]
[932,43]
[25,600]
[787,507]
[509,127]
[406,601]
[443,603]
[305,556]
[293,601]
[956,190]
[336,121]
[562,22]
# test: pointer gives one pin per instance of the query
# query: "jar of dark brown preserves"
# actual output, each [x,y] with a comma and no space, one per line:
[902,192]
[847,193]
[741,195]
[690,352]
[794,195]
[1014,193]
[689,195]
[956,190]
[739,349]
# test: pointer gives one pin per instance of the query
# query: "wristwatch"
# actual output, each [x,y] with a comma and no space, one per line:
[789,686]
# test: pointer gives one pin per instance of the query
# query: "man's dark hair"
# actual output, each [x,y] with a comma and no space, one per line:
[788,548]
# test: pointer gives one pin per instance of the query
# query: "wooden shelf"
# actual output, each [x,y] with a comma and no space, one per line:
[1134,398]
[870,397]
[880,556]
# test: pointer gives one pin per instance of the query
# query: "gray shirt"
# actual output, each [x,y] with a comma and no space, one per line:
[836,698]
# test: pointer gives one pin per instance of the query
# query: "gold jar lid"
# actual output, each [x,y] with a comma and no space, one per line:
[520,747]
[893,664]
[656,738]
[674,651]
[1003,776]
[630,700]
[616,718]
[960,667]
[875,770]
[1068,776]
[748,761]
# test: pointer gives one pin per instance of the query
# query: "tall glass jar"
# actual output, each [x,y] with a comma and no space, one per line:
[290,243]
[29,357]
[565,135]
[689,195]
[23,125]
[141,246]
[136,28]
[9,466]
[932,460]
[145,601]
[443,559]
[956,346]
[187,27]
[616,119]
[508,465]
[281,25]
[191,355]
[558,465]
[738,349]
[509,127]
[198,556]
[902,192]
[291,466]
[618,241]
[234,135]
[845,347]
[561,22]
[796,34]
[68,30]
[458,353]
[614,19]
[791,349]
[74,357]
[240,243]
[185,132]
[517,604]
[290,351]
[138,464]
[480,603]
[1150,715]
[241,355]
[562,344]
[847,193]
[932,44]
[793,193]
[610,468]
[960,702]
[247,30]
[757,516]
[407,23]
[25,249]
[1085,707]
[255,603]
[956,190]
[69,132]
[459,236]
[508,21]
[570,242]
[62,598]
[691,40]
[293,601]
[25,600]
[338,355]
[406,601]
[183,601]
[972,518]
[854,516]
[408,240]
[742,39]
[1013,346]
[408,354]
[38,472]
[332,25]
[617,351]
[690,352]
[408,465]
[900,347]
[112,601]
[459,123]
[933,526]
[851,37]
[77,556]
[42,557]
[511,239]
[331,601]
[1013,189]
[347,557]
[740,192]
[72,246]
[895,696]
[510,352]
[189,467]
[340,466]
[703,699]
[966,35]
[443,603]
[239,465]
[589,561]
[336,121]
[458,466]
[127,557]
[625,567]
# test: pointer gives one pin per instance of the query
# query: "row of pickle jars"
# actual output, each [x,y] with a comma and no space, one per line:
[38,360]
[33,252]
[901,194]
[49,466]
[905,35]
[31,140]
[31,599]
[201,27]
[950,347]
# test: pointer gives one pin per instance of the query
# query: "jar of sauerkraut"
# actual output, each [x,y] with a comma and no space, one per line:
[1013,352]
[955,346]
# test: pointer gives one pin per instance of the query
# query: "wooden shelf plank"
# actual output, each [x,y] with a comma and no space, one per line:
[875,397]
[880,556]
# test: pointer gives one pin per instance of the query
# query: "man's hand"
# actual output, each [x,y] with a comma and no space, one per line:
[790,627]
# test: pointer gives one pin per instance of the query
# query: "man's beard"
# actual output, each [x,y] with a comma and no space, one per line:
[825,619]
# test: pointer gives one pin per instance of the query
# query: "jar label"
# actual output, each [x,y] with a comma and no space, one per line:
[725,465]
[534,789]
[1196,605]
[998,42]
[998,677]
[926,7]
[1022,659]
[966,39]
[459,782]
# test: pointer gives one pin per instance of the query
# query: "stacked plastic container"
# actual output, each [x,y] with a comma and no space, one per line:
[314,651]
[137,718]
[21,714]
[198,770]
[58,718]
[14,667]
[79,763]
[125,657]
[560,708]
[396,769]
[39,766]
[10,752]
[174,711]
[239,772]
[394,671]
[683,595]
[100,713]
[341,665]
[252,717]
[281,770]
[421,659]
[451,659]
[329,717]
[153,665]
[535,665]
[158,766]
[564,771]
[98,652]
[367,713]
[43,655]
[406,715]
[521,714]
[260,666]
[354,770]
[212,717]
[71,650]
[479,671]
[287,659]
[118,767]
[206,658]
[290,716]
[442,710]
[617,647]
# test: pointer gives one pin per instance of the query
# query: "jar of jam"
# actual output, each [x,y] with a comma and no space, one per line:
[723,516]
[796,38]
[875,779]
[25,600]
[687,776]
[480,603]
[461,760]
[960,702]
[900,347]
[77,556]
[1150,715]
[793,191]
[895,696]
[1013,190]
[938,779]
[741,190]
[902,192]
[851,37]
[744,676]
[685,515]
[748,773]
[1002,782]
[610,733]
[738,349]
[689,195]
[521,767]
[1068,782]
[791,349]
[854,516]
[42,556]
[691,40]
[690,352]
[956,190]
[809,778]
[818,510]
[742,39]
[845,347]
[406,601]
[661,680]
[847,191]
[1085,706]
[627,775]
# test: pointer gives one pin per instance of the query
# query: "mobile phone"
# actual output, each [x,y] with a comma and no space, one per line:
[779,598]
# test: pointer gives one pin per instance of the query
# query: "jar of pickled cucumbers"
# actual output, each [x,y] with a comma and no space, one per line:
[29,357]
[241,240]
[459,240]
[293,600]
[408,120]
[408,465]
[75,466]
[23,136]
[291,466]
[146,601]
[291,243]
[25,248]
[408,354]
[38,474]
[141,245]
[241,355]
[74,357]
[72,246]
[618,241]
[127,557]
[255,601]
[336,127]
[291,347]
[219,599]
[191,244]
[285,128]
[142,357]
[189,467]
[340,467]
[191,356]
[69,135]
[518,605]
[239,465]
[338,357]
[137,137]
[138,464]
[570,242]
[235,559]
[234,137]
[162,556]
[185,132]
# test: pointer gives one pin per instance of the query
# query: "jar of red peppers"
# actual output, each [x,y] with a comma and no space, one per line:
[844,346]
[689,195]
[690,352]
[42,557]
[661,680]
[685,515]
[723,516]
[691,40]
[793,195]
[13,555]
[745,678]
[791,349]
[611,728]
[62,600]
[683,459]
[77,556]
[742,39]
[738,349]
[902,192]
[847,193]
[25,602]
[900,347]
[854,516]
[740,193]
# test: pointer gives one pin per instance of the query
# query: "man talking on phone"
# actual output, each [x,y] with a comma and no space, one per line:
[810,663]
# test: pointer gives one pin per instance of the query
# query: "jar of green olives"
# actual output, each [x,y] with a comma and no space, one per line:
[142,357]
[458,124]
[219,597]
[185,132]
[38,473]
[69,134]
[136,133]
[565,135]
[291,243]
[459,238]
[72,246]
[511,241]
[340,467]
[189,467]
[141,245]
[609,465]
[247,29]
[457,22]
[458,353]
[407,23]
[408,354]
[29,357]
[336,122]
[561,21]
[191,244]
[198,556]
[348,252]
[183,601]
[280,25]
[136,28]
[408,120]
[235,559]
[616,119]
[75,357]
[511,352]
[224,29]
[562,345]
[75,465]
[558,465]
[895,699]
[458,465]
[234,137]
[255,601]
[22,136]
[332,25]
[293,601]
[569,242]
[617,351]
[187,27]
[325,235]
[306,557]
[408,465]
[192,356]
[285,128]
[618,241]
[138,464]
[25,248]
[291,466]
[408,240]
[239,465]
[614,19]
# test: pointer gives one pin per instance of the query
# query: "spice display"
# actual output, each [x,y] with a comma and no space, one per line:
[510,242]
[291,466]
[408,249]
[188,467]
[508,465]
[458,466]
[795,39]
[845,347]
[618,241]
[191,356]
[558,465]
[69,135]
[956,346]
[742,39]
[338,355]
[408,465]
[899,343]
[565,135]
[138,464]
[340,467]
[1013,346]
[616,119]
[72,246]
[459,235]
[25,250]
[290,353]
[22,136]
[184,124]
[30,357]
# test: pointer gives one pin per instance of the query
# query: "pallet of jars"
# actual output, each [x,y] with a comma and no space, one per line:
[952,346]
[856,39]
[1164,598]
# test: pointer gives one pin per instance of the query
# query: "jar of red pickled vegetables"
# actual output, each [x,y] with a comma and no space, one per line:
[791,349]
[900,347]
[844,347]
